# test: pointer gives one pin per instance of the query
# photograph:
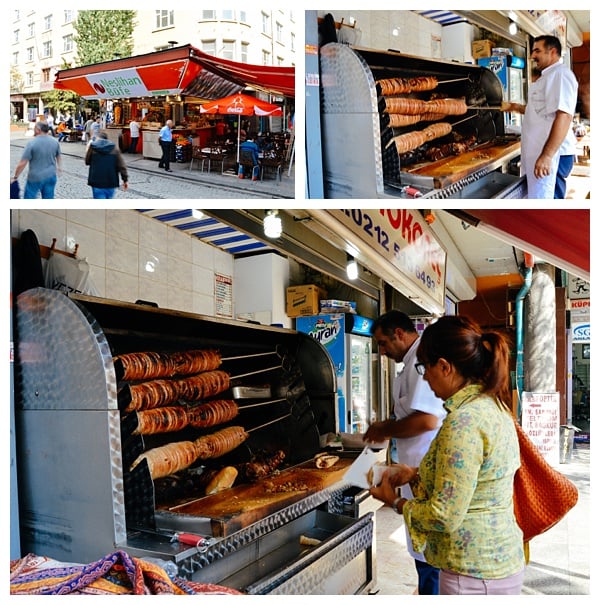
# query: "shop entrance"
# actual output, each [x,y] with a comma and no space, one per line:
[581,391]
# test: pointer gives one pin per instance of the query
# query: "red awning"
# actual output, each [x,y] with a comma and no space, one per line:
[182,70]
[559,237]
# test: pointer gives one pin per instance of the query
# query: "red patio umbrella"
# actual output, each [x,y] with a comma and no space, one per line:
[241,105]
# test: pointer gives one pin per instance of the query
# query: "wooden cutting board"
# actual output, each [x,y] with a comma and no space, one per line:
[455,168]
[236,508]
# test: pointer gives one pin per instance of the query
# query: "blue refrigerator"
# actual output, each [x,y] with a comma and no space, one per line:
[347,339]
[509,70]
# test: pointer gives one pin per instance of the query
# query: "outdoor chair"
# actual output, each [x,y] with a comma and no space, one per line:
[198,155]
[272,164]
[217,156]
[247,162]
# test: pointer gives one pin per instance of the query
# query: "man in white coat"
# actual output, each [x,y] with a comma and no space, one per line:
[547,122]
[418,415]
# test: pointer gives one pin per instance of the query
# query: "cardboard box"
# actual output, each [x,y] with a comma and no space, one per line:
[482,48]
[303,300]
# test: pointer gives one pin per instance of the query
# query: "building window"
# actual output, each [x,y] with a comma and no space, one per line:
[68,43]
[293,41]
[46,75]
[47,49]
[15,58]
[209,15]
[47,23]
[16,15]
[244,56]
[68,16]
[29,78]
[243,17]
[279,32]
[228,50]
[30,53]
[165,19]
[31,30]
[209,47]
[228,16]
[266,26]
[266,57]
[16,36]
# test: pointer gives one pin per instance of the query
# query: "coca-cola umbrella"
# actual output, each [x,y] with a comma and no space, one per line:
[241,105]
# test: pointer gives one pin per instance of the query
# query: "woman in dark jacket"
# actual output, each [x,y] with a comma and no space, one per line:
[105,162]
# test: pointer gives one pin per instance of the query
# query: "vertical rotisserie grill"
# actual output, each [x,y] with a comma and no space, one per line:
[83,494]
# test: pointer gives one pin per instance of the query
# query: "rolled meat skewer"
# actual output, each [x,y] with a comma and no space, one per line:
[143,366]
[212,413]
[161,420]
[398,120]
[411,140]
[175,418]
[196,361]
[220,443]
[168,459]
[445,107]
[174,457]
[152,394]
[159,393]
[398,86]
[412,107]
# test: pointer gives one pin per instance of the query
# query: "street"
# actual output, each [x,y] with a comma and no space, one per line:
[147,181]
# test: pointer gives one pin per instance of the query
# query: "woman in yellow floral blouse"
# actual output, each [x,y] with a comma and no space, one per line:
[462,516]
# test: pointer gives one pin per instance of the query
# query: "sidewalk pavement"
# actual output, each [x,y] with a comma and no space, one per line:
[270,186]
[559,562]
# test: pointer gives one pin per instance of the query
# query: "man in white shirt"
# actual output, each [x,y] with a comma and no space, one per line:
[418,414]
[134,135]
[547,122]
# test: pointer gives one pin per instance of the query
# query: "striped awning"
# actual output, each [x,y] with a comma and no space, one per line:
[209,230]
[442,17]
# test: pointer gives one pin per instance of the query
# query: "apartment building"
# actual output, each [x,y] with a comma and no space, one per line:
[43,42]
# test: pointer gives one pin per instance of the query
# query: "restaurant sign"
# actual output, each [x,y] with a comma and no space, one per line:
[124,83]
[405,240]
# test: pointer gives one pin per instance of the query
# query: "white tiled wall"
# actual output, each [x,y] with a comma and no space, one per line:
[132,256]
[400,30]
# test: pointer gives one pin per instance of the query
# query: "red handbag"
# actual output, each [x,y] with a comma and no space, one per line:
[542,495]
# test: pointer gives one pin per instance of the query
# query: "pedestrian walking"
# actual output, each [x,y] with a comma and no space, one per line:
[50,120]
[165,139]
[106,163]
[42,154]
[134,136]
[95,128]
[417,416]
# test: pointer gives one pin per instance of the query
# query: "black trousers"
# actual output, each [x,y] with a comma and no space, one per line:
[166,155]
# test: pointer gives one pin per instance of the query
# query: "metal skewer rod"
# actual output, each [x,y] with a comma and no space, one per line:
[249,356]
[464,120]
[262,426]
[255,372]
[455,80]
[484,107]
[254,405]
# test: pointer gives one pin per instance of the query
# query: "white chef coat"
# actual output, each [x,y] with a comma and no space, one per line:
[555,90]
[412,393]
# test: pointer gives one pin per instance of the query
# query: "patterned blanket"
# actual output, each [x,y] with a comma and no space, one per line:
[115,574]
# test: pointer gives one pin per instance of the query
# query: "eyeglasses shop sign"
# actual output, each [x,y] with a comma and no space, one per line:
[580,321]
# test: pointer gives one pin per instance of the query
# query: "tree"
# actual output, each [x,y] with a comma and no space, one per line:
[103,35]
[61,101]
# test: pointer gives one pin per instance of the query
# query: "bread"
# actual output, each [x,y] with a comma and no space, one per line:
[325,460]
[224,479]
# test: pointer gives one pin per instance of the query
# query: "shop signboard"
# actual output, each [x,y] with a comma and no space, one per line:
[578,288]
[403,239]
[541,422]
